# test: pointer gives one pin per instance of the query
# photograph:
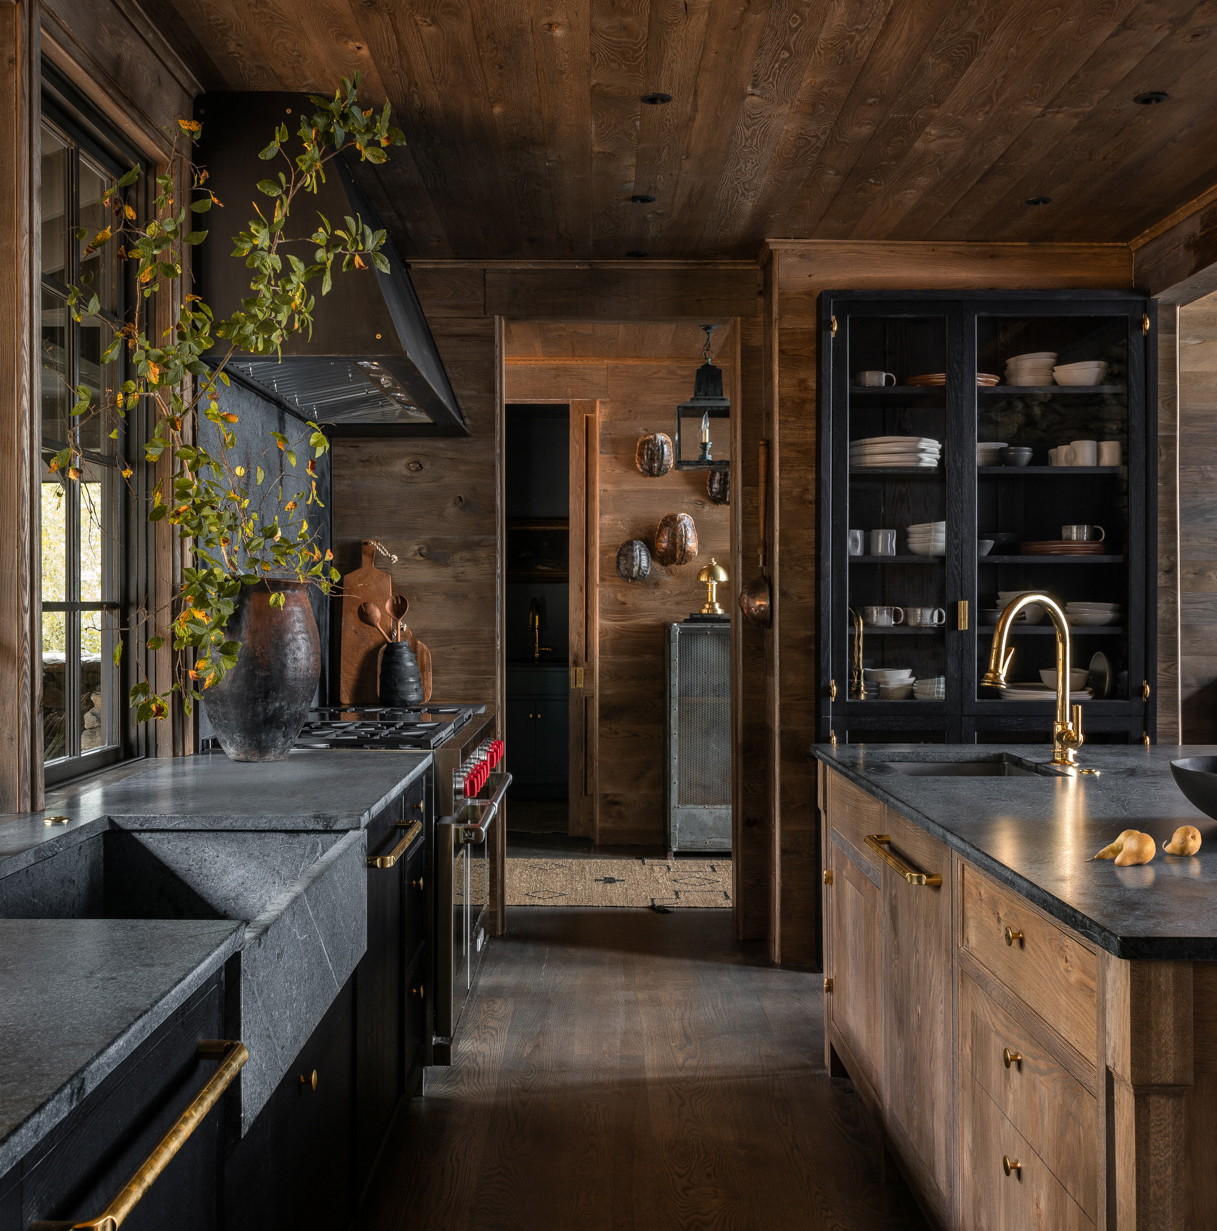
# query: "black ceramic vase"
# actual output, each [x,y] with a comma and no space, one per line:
[401,683]
[258,708]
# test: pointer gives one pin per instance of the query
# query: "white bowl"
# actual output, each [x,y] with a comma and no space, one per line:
[1078,378]
[1035,613]
[1077,677]
[899,692]
[1094,607]
[1085,620]
[1082,363]
[1032,354]
[889,675]
[1026,380]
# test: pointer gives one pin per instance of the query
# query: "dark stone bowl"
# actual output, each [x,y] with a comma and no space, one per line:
[1196,777]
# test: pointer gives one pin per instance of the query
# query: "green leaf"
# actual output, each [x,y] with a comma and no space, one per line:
[269,188]
[118,653]
[155,643]
[129,178]
[269,152]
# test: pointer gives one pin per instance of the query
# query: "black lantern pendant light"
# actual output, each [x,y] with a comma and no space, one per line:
[703,437]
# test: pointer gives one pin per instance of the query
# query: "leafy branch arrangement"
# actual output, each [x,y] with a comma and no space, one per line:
[242,527]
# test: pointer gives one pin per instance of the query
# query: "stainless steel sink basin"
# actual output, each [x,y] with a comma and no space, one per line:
[999,768]
[302,897]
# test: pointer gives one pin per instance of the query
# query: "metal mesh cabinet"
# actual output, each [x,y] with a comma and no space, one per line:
[699,736]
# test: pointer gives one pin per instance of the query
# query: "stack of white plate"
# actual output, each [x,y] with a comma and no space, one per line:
[1093,615]
[1032,614]
[934,689]
[988,452]
[1040,692]
[1032,368]
[904,451]
[928,538]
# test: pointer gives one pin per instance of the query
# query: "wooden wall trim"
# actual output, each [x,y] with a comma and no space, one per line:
[1170,725]
[118,58]
[1176,260]
[20,759]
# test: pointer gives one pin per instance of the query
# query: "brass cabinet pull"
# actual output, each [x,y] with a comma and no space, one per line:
[1013,937]
[832,690]
[880,843]
[827,983]
[828,876]
[961,615]
[308,1081]
[420,991]
[232,1055]
[413,829]
[1010,1058]
[1011,1166]
[417,884]
[418,807]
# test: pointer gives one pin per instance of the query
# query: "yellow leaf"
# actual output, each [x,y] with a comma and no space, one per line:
[129,212]
[189,126]
[229,417]
[359,262]
[127,472]
[154,371]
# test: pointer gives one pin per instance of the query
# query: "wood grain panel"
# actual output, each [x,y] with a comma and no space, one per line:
[20,699]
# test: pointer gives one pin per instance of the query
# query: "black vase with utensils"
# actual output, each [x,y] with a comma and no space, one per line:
[401,682]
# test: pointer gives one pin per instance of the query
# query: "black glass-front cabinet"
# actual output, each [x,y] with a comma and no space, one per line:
[919,410]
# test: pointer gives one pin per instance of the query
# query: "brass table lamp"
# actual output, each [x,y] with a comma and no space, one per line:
[712,576]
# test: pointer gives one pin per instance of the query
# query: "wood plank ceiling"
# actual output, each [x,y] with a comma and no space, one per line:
[790,119]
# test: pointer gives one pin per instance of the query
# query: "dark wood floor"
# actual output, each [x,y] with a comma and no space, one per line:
[630,1071]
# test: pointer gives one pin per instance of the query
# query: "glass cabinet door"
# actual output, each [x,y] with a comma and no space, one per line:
[1052,512]
[893,549]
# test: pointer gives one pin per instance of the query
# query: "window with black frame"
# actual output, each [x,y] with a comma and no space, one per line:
[86,555]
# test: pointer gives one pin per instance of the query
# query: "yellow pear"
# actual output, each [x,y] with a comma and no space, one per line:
[1184,841]
[1138,848]
[1110,852]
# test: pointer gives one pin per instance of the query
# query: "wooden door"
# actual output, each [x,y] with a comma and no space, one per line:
[854,919]
[584,555]
[917,1017]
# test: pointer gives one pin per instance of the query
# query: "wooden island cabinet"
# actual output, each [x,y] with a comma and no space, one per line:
[1022,1078]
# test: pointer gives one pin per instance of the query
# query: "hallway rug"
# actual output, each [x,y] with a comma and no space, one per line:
[619,882]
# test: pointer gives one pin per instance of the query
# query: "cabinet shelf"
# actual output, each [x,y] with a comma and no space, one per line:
[1007,391]
[898,391]
[896,472]
[1014,472]
[899,630]
[1047,630]
[896,559]
[1049,559]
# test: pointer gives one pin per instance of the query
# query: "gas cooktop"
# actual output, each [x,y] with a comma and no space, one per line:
[382,726]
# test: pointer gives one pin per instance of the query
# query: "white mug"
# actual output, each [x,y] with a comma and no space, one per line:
[857,542]
[1109,452]
[925,617]
[874,379]
[1083,534]
[1085,452]
[883,542]
[882,617]
[1062,455]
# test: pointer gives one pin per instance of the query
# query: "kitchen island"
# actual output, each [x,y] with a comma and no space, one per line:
[1035,1032]
[193,895]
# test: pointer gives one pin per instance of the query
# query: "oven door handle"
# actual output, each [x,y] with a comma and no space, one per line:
[475,830]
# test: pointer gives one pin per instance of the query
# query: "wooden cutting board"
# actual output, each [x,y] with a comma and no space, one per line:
[359,645]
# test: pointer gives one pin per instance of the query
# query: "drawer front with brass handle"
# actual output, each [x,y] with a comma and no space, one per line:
[881,844]
[1053,974]
[1005,1183]
[853,814]
[1048,1107]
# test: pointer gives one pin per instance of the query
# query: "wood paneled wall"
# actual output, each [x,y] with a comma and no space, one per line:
[434,504]
[800,271]
[1197,520]
[634,398]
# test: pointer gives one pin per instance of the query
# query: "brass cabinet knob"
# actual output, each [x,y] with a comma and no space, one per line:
[418,807]
[308,1081]
[828,876]
[1013,937]
[417,883]
[420,991]
[1011,1166]
[1011,1058]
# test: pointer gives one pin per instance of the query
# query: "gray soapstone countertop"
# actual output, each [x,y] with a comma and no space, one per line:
[1037,835]
[77,997]
[313,788]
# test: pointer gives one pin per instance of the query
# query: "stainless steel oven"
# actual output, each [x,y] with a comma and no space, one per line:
[465,845]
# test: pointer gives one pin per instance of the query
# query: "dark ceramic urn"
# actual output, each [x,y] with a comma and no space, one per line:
[401,682]
[258,708]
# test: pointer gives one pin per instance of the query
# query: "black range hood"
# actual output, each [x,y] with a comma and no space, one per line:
[371,366]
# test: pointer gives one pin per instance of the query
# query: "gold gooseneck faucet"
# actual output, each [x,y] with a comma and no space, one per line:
[1067,728]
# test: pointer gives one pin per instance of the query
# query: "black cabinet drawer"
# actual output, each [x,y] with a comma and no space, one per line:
[295,1166]
[82,1166]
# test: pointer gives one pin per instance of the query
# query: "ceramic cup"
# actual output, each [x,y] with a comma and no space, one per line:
[1109,452]
[924,617]
[1083,534]
[882,617]
[1085,452]
[1062,455]
[883,542]
[874,380]
[857,542]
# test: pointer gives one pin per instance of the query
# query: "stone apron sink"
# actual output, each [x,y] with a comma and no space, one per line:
[301,896]
[1000,767]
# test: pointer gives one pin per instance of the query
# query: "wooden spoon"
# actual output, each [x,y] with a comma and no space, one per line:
[399,604]
[369,613]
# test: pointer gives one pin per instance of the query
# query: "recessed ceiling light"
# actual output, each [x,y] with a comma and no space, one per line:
[642,198]
[656,99]
[1038,201]
[635,255]
[1150,97]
